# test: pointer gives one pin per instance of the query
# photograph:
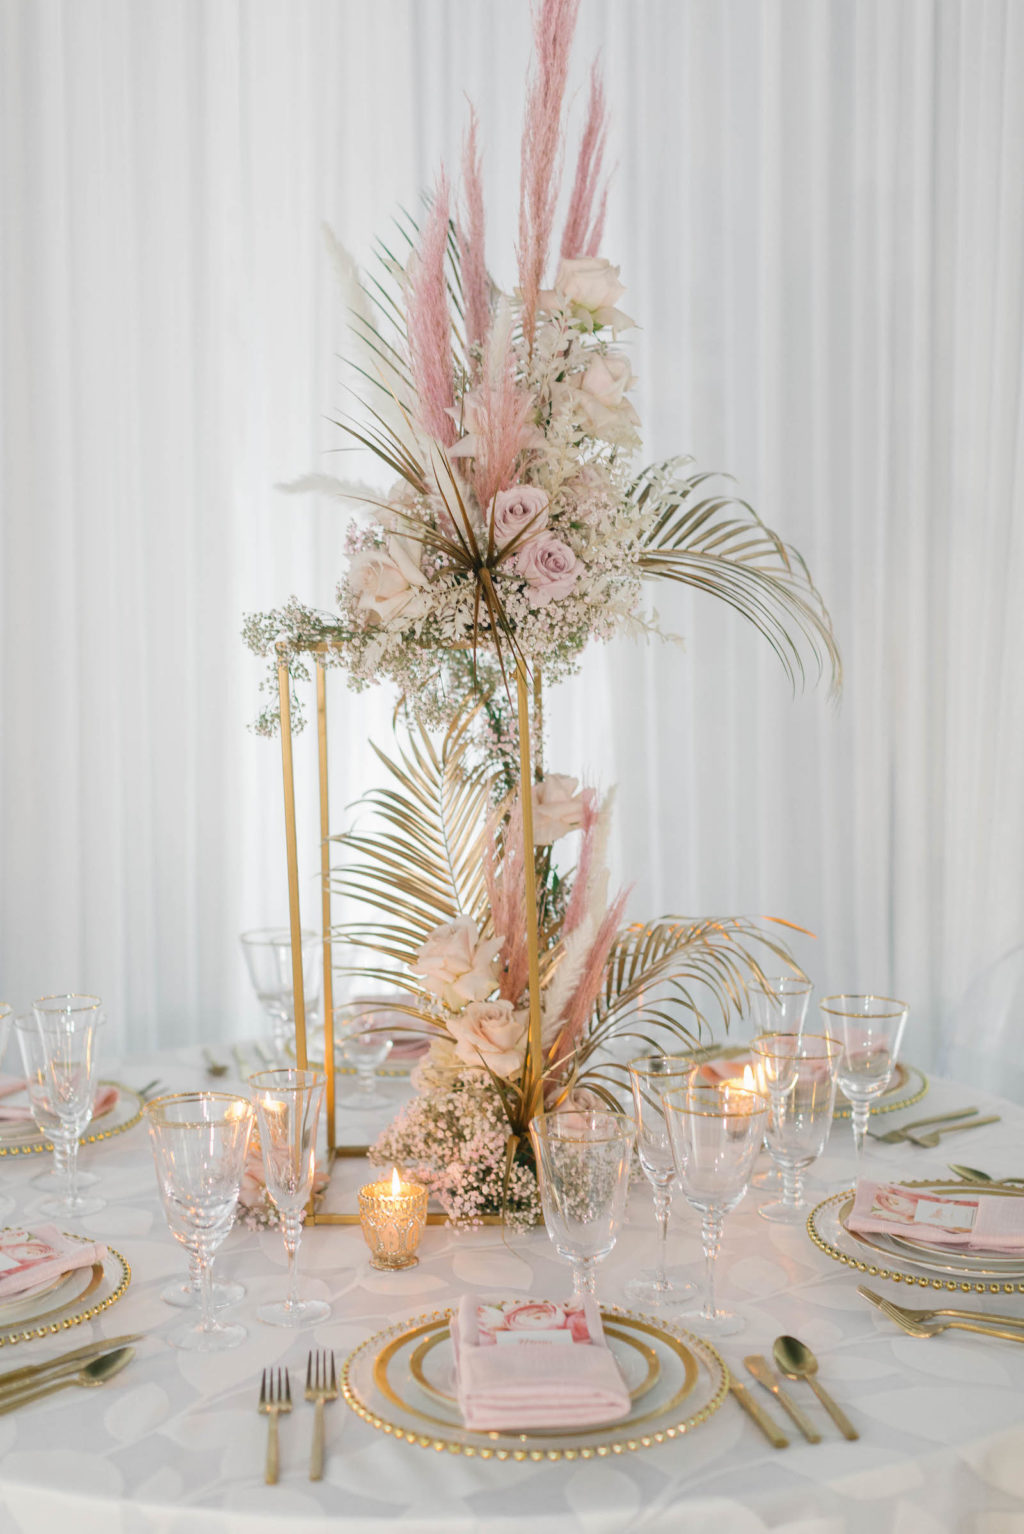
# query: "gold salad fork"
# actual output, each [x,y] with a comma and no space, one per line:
[929,1323]
[897,1136]
[275,1397]
[321,1386]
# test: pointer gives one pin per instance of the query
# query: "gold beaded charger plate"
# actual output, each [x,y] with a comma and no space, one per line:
[75,1297]
[885,1256]
[908,1084]
[401,1380]
[24,1138]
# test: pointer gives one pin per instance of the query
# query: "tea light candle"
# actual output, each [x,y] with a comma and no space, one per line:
[392,1215]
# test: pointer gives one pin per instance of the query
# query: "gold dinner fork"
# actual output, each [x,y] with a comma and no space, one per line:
[924,1323]
[321,1386]
[275,1397]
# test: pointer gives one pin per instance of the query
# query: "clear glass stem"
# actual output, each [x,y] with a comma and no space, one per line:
[583,1276]
[291,1229]
[792,1186]
[662,1205]
[195,1271]
[69,1158]
[860,1113]
[711,1239]
[204,1258]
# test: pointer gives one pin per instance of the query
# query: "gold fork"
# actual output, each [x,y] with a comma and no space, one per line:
[917,1323]
[321,1386]
[275,1397]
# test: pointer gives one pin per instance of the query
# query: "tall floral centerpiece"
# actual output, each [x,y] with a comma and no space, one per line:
[518,528]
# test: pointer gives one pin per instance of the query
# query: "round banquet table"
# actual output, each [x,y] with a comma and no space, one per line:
[174,1444]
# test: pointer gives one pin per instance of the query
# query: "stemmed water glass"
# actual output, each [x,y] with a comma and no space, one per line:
[199,1142]
[870,1029]
[716,1133]
[649,1077]
[798,1072]
[288,1104]
[268,955]
[365,1045]
[583,1159]
[58,1049]
[778,1004]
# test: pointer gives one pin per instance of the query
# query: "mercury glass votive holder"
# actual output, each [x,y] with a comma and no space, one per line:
[393,1215]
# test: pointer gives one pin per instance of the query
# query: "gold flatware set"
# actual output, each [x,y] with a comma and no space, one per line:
[87,1366]
[929,1323]
[276,1400]
[929,1132]
[796,1361]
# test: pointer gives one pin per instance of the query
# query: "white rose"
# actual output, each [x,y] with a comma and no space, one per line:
[454,965]
[557,808]
[592,286]
[390,585]
[602,397]
[492,1034]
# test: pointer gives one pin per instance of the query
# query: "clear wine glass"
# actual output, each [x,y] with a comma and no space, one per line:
[199,1142]
[583,1159]
[870,1029]
[365,1045]
[649,1077]
[716,1133]
[778,1004]
[799,1075]
[268,955]
[189,1295]
[6,1013]
[288,1104]
[58,1050]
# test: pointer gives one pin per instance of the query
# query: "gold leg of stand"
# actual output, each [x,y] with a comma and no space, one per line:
[293,865]
[536,1059]
[325,902]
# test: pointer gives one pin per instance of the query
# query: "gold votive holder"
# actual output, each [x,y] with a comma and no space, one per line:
[392,1214]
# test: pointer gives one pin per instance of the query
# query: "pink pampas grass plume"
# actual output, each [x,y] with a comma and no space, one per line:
[554,22]
[505,412]
[576,909]
[429,323]
[583,225]
[476,287]
[590,982]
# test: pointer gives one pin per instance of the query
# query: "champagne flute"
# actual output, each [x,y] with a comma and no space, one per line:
[199,1142]
[583,1159]
[870,1029]
[288,1104]
[716,1133]
[46,1121]
[778,1004]
[799,1074]
[268,955]
[649,1077]
[58,1049]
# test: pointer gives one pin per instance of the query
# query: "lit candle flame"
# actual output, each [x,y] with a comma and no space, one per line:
[396,1182]
[749,1079]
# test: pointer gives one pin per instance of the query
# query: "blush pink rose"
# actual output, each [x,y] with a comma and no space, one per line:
[549,567]
[491,1034]
[521,510]
[455,965]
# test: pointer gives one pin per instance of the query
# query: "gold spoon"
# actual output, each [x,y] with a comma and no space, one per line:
[97,1373]
[971,1174]
[797,1362]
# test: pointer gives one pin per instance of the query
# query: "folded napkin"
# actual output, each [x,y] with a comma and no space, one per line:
[527,1363]
[11,1084]
[11,1113]
[715,1071]
[30,1259]
[981,1222]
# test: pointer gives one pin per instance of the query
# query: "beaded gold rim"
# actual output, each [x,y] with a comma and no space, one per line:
[41,1145]
[899,1275]
[33,1333]
[705,1354]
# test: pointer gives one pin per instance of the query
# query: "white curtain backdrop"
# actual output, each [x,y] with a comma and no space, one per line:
[819,212]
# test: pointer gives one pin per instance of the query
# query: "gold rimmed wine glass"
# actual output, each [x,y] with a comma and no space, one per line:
[649,1077]
[288,1104]
[798,1072]
[870,1029]
[58,1049]
[583,1160]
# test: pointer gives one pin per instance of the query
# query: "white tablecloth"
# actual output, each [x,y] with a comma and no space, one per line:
[175,1445]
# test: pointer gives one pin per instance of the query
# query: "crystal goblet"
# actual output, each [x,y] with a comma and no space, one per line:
[870,1029]
[288,1104]
[778,1004]
[799,1075]
[583,1158]
[58,1050]
[199,1142]
[649,1077]
[365,1045]
[715,1132]
[268,955]
[54,1175]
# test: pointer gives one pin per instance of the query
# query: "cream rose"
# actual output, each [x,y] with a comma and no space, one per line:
[602,397]
[491,1034]
[592,286]
[549,567]
[454,965]
[557,808]
[389,585]
[523,509]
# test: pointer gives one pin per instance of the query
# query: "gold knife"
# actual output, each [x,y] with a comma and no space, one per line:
[761,1369]
[775,1436]
[30,1373]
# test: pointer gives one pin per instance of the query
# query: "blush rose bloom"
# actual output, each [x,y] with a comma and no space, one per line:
[523,509]
[557,808]
[389,585]
[602,397]
[549,567]
[454,965]
[492,1034]
[592,286]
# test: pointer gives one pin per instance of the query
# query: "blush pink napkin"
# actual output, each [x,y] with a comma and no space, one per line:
[714,1071]
[11,1113]
[533,1382]
[972,1222]
[30,1259]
